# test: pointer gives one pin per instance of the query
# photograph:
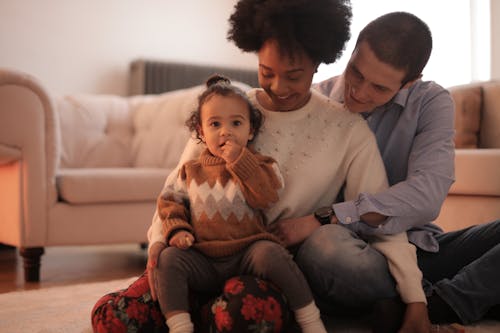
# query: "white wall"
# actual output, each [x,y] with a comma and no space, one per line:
[495,39]
[87,45]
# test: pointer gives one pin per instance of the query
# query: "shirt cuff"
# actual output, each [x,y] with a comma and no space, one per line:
[346,212]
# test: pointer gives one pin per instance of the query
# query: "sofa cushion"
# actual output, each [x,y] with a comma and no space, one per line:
[489,136]
[160,133]
[106,185]
[476,172]
[96,131]
[468,104]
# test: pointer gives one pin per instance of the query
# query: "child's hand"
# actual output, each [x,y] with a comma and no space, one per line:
[230,151]
[182,240]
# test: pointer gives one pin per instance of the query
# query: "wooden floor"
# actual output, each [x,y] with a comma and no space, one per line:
[73,265]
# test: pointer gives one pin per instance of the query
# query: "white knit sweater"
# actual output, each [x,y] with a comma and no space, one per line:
[319,147]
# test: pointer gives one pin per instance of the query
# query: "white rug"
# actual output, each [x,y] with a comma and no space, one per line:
[55,309]
[67,310]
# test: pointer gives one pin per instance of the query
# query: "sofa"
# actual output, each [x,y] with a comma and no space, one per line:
[474,198]
[85,169]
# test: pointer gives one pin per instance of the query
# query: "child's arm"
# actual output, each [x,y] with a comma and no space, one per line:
[171,207]
[259,178]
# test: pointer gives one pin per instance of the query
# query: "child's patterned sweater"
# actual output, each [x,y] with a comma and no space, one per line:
[221,203]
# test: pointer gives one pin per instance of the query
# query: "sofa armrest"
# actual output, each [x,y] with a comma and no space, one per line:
[477,172]
[9,154]
[28,135]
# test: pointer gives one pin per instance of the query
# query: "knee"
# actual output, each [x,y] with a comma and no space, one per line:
[330,244]
[336,249]
[262,256]
[170,257]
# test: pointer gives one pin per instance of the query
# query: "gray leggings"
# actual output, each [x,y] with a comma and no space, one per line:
[182,270]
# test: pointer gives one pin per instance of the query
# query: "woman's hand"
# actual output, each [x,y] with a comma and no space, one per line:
[416,319]
[153,255]
[294,231]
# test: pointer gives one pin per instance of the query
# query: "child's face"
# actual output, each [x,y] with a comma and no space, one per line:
[223,119]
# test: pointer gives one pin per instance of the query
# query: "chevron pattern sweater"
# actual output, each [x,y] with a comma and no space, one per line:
[221,204]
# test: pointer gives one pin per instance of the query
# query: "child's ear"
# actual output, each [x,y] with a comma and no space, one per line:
[199,129]
[250,137]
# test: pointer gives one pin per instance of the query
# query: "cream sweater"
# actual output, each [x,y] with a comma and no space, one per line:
[319,147]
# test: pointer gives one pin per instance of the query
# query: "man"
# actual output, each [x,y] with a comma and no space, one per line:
[413,123]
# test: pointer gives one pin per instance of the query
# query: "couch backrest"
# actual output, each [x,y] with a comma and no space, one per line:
[138,131]
[477,114]
[489,134]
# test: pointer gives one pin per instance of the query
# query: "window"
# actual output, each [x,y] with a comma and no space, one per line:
[460,30]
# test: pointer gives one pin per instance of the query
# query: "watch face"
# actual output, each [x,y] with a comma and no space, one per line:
[324,212]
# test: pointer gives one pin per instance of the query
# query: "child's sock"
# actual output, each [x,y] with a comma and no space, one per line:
[309,320]
[180,323]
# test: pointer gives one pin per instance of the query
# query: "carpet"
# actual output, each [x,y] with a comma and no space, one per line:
[67,310]
[55,309]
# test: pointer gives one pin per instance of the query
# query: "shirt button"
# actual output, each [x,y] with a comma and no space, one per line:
[348,219]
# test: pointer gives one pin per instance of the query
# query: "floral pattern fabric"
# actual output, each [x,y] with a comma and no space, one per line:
[247,305]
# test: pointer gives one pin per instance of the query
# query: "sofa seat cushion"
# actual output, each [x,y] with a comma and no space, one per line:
[106,185]
[476,172]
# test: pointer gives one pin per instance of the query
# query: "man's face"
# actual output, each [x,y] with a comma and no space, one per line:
[369,83]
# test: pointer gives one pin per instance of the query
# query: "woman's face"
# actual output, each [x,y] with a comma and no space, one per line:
[286,81]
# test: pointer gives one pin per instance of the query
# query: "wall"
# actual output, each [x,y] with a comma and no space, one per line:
[87,46]
[495,39]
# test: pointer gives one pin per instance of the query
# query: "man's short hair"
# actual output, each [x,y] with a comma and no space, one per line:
[401,40]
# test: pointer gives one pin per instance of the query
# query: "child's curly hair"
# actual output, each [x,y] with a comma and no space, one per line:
[220,85]
[318,27]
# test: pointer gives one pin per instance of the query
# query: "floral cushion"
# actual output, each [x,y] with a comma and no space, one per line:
[248,304]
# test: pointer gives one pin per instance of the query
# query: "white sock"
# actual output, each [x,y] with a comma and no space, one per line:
[180,323]
[309,319]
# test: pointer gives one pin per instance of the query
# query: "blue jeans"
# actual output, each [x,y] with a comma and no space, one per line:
[343,269]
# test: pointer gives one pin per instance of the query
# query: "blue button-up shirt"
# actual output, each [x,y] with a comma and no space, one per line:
[414,133]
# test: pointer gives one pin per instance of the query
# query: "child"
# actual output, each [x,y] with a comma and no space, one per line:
[212,215]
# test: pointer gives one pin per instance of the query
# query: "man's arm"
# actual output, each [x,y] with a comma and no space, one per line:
[417,200]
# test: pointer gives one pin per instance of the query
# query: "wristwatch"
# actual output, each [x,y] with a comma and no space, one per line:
[324,215]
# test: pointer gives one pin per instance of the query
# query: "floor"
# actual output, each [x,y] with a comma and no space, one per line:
[73,265]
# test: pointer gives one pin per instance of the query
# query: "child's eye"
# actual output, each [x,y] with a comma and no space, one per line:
[214,124]
[237,123]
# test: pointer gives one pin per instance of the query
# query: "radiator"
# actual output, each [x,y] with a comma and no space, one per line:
[154,77]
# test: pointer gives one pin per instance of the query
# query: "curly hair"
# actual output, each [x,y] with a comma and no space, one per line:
[220,85]
[318,27]
[399,39]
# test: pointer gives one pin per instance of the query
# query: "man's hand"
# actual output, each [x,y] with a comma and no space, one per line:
[153,255]
[416,319]
[294,231]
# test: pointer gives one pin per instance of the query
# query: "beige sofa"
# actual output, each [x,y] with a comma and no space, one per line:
[474,198]
[83,169]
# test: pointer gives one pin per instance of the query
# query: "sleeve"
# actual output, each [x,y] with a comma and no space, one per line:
[366,171]
[402,260]
[259,178]
[418,199]
[191,151]
[172,206]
